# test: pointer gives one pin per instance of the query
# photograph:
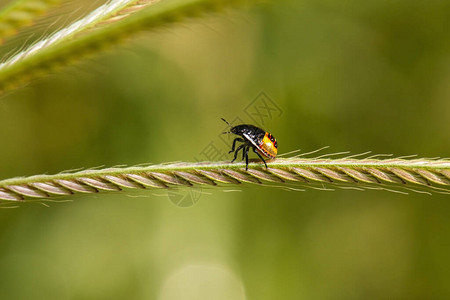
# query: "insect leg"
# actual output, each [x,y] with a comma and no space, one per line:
[234,144]
[245,151]
[254,150]
[246,157]
[237,150]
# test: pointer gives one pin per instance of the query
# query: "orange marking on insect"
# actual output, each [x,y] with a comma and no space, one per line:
[268,147]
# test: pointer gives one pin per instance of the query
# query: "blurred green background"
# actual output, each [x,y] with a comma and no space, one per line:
[352,75]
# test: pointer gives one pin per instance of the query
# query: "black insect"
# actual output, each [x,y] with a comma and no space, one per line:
[262,142]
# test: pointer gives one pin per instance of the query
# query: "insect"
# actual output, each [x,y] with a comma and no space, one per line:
[262,142]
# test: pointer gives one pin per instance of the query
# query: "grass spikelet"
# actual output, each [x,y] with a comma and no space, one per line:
[21,13]
[105,26]
[418,174]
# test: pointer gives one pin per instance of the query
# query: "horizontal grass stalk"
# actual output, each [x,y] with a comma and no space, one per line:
[424,174]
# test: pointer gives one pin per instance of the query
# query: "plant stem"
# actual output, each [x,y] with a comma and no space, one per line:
[433,175]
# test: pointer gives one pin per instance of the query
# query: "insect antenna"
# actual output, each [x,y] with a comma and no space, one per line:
[226,122]
[225,132]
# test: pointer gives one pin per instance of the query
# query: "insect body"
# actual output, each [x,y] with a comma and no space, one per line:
[262,142]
